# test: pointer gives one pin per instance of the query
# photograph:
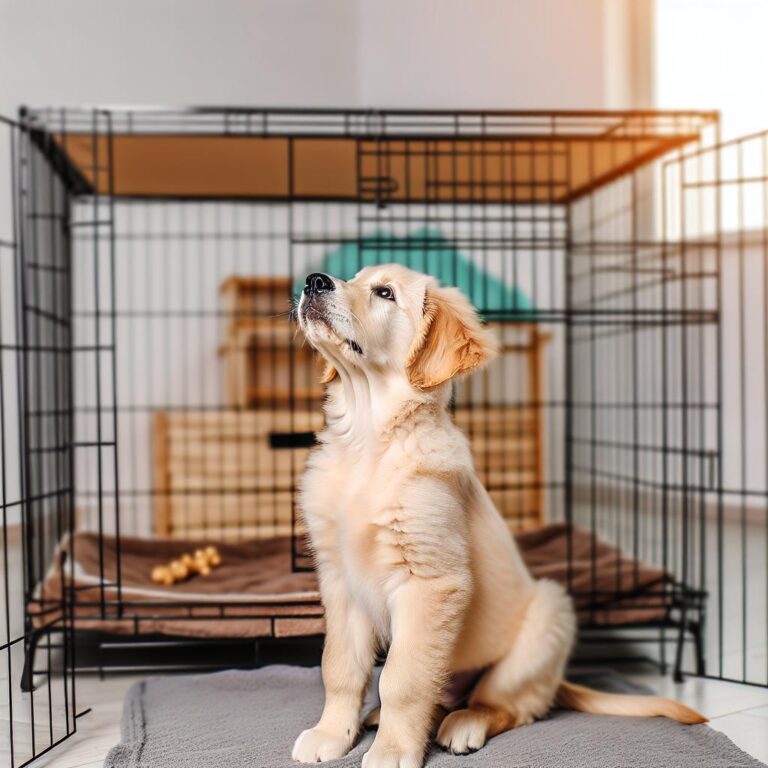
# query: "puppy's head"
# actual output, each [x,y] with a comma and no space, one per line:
[390,319]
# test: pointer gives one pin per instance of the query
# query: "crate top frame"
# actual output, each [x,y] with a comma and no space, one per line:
[386,156]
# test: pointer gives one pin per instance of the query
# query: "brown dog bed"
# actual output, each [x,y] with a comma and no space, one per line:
[255,593]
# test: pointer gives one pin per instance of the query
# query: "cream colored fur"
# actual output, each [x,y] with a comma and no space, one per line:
[411,554]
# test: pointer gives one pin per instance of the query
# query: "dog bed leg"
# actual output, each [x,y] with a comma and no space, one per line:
[28,673]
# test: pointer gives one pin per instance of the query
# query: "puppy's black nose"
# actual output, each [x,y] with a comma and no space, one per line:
[317,282]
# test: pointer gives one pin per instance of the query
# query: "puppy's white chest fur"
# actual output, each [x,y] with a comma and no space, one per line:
[341,510]
[370,573]
[354,525]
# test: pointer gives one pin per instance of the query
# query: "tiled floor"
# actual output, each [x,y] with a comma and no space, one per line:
[741,712]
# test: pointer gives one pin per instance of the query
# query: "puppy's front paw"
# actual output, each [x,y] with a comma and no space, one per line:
[389,756]
[317,746]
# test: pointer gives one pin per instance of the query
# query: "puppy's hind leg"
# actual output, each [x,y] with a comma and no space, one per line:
[521,686]
[467,730]
[372,718]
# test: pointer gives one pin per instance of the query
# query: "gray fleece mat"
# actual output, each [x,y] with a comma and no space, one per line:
[250,719]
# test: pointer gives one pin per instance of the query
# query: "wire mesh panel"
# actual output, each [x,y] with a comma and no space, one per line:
[717,217]
[37,704]
[643,441]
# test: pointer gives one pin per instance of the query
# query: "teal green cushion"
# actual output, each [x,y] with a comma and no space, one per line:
[426,251]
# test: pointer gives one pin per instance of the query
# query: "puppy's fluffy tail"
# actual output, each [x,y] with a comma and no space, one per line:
[582,699]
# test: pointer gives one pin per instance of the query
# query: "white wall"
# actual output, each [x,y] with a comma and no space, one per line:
[279,52]
[688,33]
[486,53]
[413,53]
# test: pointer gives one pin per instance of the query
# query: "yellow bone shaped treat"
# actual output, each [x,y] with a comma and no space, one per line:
[214,558]
[179,570]
[161,574]
[202,566]
[202,562]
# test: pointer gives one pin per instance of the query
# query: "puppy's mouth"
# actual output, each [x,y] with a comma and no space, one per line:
[312,314]
[309,313]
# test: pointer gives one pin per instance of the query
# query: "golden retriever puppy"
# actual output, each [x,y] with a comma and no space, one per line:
[411,554]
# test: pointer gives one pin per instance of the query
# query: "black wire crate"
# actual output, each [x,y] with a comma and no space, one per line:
[167,403]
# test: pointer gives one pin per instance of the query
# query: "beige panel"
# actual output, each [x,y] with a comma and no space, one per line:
[515,170]
[231,533]
[183,166]
[197,510]
[325,168]
[243,423]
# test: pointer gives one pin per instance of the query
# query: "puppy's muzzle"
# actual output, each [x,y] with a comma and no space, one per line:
[318,283]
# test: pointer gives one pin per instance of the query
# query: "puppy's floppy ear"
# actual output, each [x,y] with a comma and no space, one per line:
[328,375]
[451,340]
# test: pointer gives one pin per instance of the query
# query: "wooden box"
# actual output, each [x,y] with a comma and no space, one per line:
[219,474]
[267,363]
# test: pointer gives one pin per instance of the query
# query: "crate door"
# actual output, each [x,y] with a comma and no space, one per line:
[716,236]
[37,685]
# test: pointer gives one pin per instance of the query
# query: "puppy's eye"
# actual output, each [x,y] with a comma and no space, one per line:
[384,292]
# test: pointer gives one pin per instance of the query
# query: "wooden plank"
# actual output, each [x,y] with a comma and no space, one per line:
[266,332]
[267,508]
[233,390]
[255,283]
[511,442]
[189,483]
[232,435]
[486,462]
[517,507]
[282,396]
[498,420]
[244,299]
[231,457]
[536,394]
[244,423]
[513,478]
[232,533]
[160,498]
